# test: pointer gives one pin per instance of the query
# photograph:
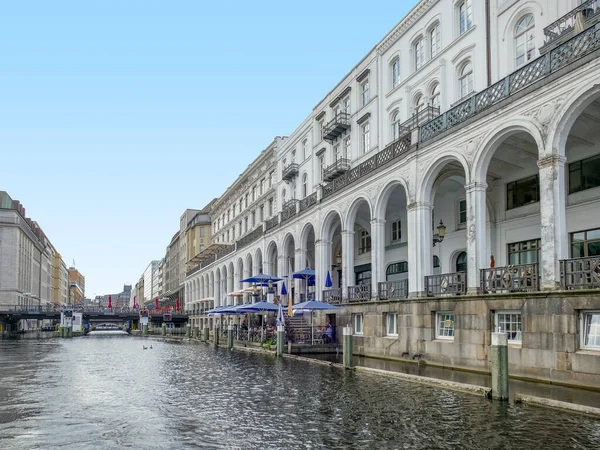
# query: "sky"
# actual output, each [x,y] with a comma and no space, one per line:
[116,116]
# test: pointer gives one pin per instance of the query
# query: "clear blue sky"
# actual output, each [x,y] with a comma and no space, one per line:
[116,115]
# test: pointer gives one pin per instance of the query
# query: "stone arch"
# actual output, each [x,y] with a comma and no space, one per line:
[304,233]
[258,260]
[493,140]
[353,210]
[326,232]
[384,196]
[426,182]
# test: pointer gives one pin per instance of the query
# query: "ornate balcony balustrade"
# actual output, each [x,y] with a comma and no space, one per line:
[446,284]
[288,210]
[250,238]
[575,21]
[308,201]
[339,167]
[393,290]
[359,293]
[516,278]
[226,251]
[580,273]
[332,296]
[272,223]
[290,172]
[336,126]
[566,53]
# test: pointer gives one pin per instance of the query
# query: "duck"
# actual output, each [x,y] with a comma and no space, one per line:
[150,346]
[144,347]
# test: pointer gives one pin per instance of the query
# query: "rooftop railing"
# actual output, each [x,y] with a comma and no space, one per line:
[576,20]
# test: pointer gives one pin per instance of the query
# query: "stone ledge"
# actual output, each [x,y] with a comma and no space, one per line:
[557,404]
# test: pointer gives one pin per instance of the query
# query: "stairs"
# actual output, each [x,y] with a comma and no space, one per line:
[299,330]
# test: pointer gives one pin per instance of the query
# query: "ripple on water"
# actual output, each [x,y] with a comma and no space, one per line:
[106,392]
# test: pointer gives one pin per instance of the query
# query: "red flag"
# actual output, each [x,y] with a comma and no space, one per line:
[134,301]
[156,303]
[177,304]
[110,301]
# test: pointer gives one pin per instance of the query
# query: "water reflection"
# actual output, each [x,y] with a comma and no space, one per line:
[107,392]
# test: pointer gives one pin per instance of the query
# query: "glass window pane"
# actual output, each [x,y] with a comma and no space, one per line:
[593,234]
[577,250]
[593,249]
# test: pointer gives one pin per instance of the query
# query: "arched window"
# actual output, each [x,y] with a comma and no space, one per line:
[466,79]
[418,103]
[419,53]
[396,125]
[434,40]
[293,156]
[525,40]
[461,262]
[436,261]
[305,185]
[396,73]
[436,94]
[283,194]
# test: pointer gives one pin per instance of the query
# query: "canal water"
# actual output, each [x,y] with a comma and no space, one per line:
[107,392]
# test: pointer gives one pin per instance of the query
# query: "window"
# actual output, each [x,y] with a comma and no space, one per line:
[241,229]
[233,233]
[337,152]
[246,225]
[271,177]
[525,40]
[396,125]
[585,244]
[201,248]
[395,268]
[509,322]
[444,325]
[270,207]
[201,231]
[304,149]
[365,137]
[253,218]
[246,200]
[304,185]
[357,319]
[436,96]
[465,13]
[262,186]
[591,330]
[584,174]
[321,167]
[396,73]
[241,202]
[434,40]
[346,107]
[283,194]
[365,242]
[363,274]
[436,261]
[262,212]
[321,128]
[254,193]
[462,212]
[466,80]
[293,156]
[419,53]
[524,252]
[523,192]
[365,93]
[391,322]
[396,230]
[418,104]
[461,262]
[227,235]
[348,148]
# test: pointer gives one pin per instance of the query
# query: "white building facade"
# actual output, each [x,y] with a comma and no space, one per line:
[449,185]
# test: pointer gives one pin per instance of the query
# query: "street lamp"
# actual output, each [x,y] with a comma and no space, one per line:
[441,232]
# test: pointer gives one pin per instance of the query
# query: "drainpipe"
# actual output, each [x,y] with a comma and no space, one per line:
[488,42]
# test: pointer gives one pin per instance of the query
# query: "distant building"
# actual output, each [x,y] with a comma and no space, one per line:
[119,300]
[77,287]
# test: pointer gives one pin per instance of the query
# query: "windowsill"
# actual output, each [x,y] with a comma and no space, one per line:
[443,339]
[515,344]
[461,226]
[391,336]
[588,351]
[358,335]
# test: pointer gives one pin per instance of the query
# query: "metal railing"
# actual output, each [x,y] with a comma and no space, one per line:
[272,223]
[515,278]
[308,201]
[250,238]
[290,171]
[336,126]
[359,293]
[288,210]
[393,290]
[580,273]
[568,52]
[393,151]
[567,24]
[226,251]
[446,284]
[332,296]
[337,168]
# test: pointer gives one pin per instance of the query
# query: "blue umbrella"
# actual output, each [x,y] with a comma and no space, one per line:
[261,278]
[280,318]
[258,307]
[306,274]
[328,282]
[283,289]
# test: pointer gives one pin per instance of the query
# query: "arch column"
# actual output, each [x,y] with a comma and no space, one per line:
[476,233]
[322,265]
[246,285]
[229,288]
[347,260]
[217,292]
[377,255]
[553,219]
[300,264]
[420,241]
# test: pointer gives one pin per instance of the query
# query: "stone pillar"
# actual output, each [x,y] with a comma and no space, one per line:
[300,264]
[476,234]
[144,329]
[217,292]
[230,336]
[499,354]
[553,219]
[206,334]
[196,332]
[420,242]
[216,336]
[347,261]
[347,349]
[163,329]
[280,339]
[322,265]
[377,255]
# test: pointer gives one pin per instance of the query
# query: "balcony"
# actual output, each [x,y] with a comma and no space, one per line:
[308,201]
[504,280]
[332,296]
[580,273]
[290,172]
[288,210]
[393,290]
[446,284]
[359,294]
[336,127]
[338,168]
[579,19]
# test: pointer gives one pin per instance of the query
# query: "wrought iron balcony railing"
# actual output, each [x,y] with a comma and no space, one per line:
[308,201]
[272,223]
[393,290]
[288,210]
[446,284]
[336,126]
[250,238]
[580,273]
[290,172]
[339,167]
[572,23]
[359,293]
[563,55]
[332,296]
[516,278]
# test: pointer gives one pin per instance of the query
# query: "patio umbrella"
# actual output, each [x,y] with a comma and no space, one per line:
[280,318]
[310,306]
[308,275]
[259,307]
[110,301]
[328,282]
[261,278]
